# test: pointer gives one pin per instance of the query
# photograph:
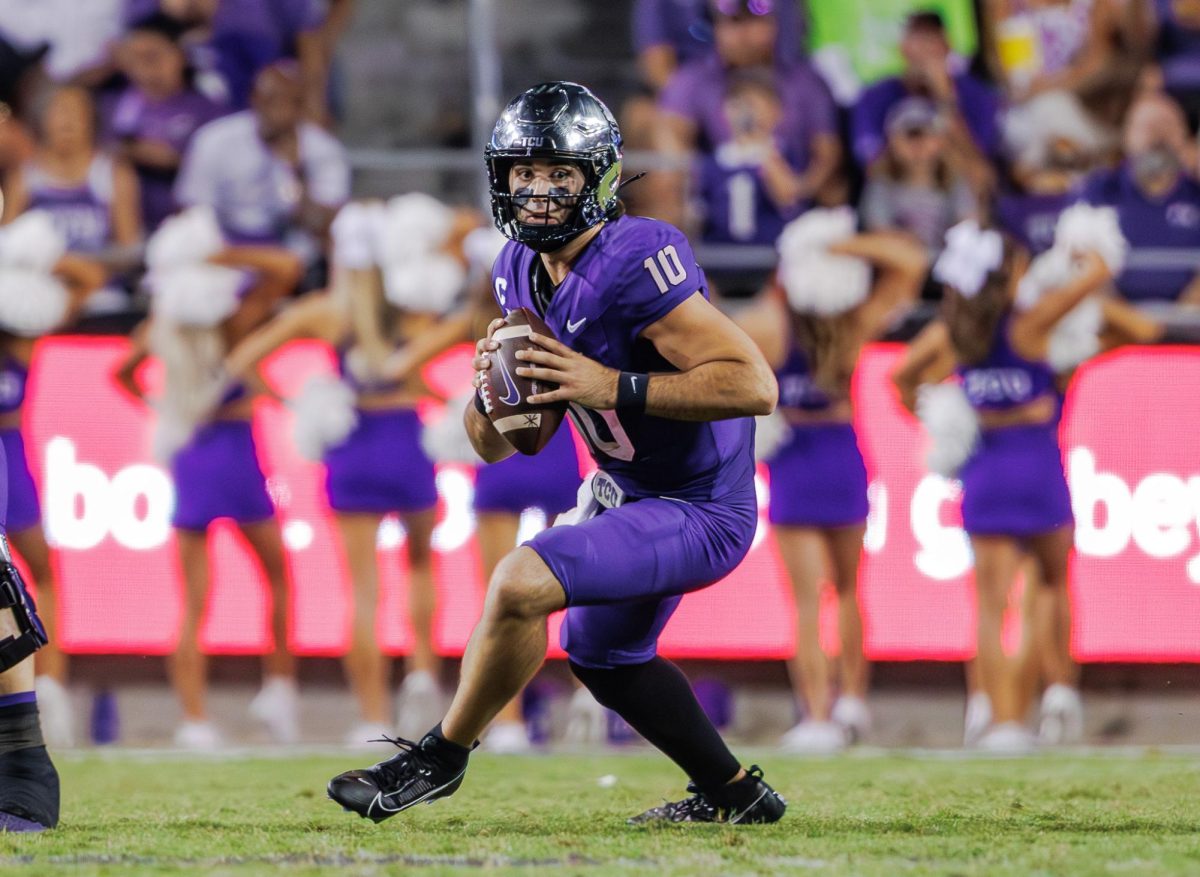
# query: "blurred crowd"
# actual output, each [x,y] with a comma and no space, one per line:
[114,114]
[118,113]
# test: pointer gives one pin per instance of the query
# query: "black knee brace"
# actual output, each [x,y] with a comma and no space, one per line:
[14,597]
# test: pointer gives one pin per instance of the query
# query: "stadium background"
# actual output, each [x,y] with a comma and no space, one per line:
[413,87]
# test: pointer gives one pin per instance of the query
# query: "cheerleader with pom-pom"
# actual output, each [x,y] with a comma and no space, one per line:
[206,297]
[395,275]
[998,337]
[1096,325]
[42,288]
[811,328]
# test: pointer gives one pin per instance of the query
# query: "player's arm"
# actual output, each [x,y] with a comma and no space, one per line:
[929,359]
[488,443]
[721,373]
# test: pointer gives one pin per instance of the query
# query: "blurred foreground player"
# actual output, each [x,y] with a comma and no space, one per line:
[674,507]
[28,780]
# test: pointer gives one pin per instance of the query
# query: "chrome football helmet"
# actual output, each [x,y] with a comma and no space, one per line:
[563,122]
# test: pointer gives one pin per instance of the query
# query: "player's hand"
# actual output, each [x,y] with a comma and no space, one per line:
[579,378]
[484,347]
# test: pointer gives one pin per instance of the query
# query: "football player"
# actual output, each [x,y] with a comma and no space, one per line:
[663,387]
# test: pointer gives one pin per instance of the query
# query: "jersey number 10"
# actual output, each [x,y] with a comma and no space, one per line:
[672,271]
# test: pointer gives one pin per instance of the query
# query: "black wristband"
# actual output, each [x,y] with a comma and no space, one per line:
[632,390]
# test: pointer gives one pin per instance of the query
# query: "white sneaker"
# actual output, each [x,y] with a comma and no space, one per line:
[977,720]
[587,720]
[1008,738]
[419,705]
[364,735]
[508,738]
[814,738]
[197,736]
[54,709]
[1061,720]
[852,713]
[277,706]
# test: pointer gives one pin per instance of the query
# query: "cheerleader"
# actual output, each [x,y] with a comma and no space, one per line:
[811,328]
[206,297]
[41,289]
[393,278]
[999,432]
[1094,327]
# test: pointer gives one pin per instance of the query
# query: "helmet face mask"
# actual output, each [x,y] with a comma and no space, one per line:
[561,123]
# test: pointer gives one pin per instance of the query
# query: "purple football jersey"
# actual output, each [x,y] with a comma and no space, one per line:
[171,121]
[632,274]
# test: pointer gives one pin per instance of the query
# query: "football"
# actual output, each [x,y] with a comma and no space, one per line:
[526,427]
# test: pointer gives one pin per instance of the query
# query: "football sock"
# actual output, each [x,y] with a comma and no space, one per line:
[19,724]
[657,701]
[449,753]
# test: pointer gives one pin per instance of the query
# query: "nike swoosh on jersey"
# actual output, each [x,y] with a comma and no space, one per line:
[574,327]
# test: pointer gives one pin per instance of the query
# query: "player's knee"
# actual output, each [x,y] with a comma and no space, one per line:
[523,587]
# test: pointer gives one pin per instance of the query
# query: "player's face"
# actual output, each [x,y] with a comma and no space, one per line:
[542,191]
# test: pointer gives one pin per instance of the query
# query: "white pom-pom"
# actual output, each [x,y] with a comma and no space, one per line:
[325,415]
[1048,271]
[771,433]
[31,241]
[815,280]
[32,303]
[411,223]
[199,295]
[445,440]
[354,231]
[1076,338]
[952,425]
[970,255]
[185,238]
[426,283]
[482,247]
[1083,228]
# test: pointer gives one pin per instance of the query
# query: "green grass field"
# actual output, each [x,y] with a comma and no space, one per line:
[864,815]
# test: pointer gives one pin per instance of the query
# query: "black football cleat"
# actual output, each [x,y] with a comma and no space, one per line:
[28,791]
[763,804]
[415,775]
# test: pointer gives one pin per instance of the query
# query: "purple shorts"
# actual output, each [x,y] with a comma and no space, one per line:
[1013,485]
[625,570]
[22,509]
[549,481]
[818,479]
[217,476]
[381,467]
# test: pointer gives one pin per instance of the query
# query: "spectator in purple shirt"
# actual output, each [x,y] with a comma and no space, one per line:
[155,117]
[235,39]
[1052,143]
[670,33]
[1157,202]
[693,108]
[750,187]
[969,107]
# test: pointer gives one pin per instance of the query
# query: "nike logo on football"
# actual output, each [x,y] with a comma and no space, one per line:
[574,327]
